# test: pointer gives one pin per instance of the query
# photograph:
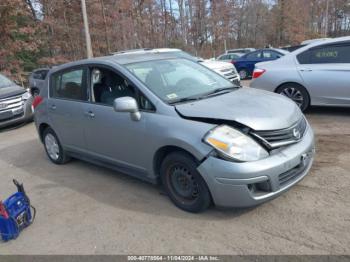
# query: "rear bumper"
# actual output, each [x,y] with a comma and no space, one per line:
[21,114]
[251,183]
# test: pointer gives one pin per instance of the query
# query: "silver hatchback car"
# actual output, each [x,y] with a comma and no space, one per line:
[173,121]
[316,74]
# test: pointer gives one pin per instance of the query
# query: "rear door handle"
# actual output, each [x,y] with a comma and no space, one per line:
[53,107]
[90,114]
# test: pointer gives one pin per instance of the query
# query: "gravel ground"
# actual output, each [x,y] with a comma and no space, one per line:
[84,209]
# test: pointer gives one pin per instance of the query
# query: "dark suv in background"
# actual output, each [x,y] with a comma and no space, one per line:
[37,79]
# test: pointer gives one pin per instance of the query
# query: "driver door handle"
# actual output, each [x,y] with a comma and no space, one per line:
[53,107]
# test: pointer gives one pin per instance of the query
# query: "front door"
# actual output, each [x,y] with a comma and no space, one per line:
[113,136]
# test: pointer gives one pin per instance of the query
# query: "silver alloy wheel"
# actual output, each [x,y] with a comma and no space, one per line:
[52,147]
[293,94]
[243,74]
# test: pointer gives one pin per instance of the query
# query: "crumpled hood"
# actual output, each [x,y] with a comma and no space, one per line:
[257,109]
[11,91]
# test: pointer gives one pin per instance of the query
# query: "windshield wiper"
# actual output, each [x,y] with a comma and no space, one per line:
[220,90]
[195,98]
[184,99]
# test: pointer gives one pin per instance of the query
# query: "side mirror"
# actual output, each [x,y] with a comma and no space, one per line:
[127,104]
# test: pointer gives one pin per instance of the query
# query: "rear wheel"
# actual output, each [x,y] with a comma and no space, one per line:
[53,147]
[183,184]
[297,93]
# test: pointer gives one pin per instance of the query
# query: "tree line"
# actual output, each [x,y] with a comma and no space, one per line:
[36,33]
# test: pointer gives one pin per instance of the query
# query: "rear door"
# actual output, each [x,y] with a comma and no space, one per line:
[68,94]
[325,71]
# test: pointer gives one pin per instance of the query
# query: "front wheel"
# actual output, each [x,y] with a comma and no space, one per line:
[297,93]
[183,184]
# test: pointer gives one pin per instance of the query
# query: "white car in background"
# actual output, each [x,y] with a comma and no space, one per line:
[223,68]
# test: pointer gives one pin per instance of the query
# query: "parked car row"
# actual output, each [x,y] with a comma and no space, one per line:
[245,62]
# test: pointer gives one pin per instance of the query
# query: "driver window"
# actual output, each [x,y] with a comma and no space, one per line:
[106,86]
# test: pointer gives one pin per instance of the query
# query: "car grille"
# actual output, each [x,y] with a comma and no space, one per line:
[11,107]
[277,138]
[229,73]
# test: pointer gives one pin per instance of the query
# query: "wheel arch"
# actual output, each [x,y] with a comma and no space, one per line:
[42,128]
[162,152]
[293,83]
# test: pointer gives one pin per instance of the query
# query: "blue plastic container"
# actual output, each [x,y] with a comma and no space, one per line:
[20,216]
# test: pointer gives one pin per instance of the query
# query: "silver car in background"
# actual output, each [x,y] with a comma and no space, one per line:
[316,74]
[167,119]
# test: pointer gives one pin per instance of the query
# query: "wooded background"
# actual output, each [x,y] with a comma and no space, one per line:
[36,33]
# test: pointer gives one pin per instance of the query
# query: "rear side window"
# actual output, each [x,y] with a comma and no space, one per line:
[69,85]
[254,55]
[326,55]
[271,55]
[224,57]
[233,56]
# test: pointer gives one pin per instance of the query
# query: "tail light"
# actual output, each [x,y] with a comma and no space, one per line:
[233,62]
[37,100]
[258,72]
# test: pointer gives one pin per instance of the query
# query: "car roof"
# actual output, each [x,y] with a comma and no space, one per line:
[322,42]
[147,50]
[310,41]
[245,48]
[274,49]
[121,59]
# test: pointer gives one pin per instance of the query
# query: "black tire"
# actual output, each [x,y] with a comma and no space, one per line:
[297,93]
[62,156]
[179,173]
[243,74]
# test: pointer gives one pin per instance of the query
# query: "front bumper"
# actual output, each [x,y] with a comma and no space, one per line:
[247,184]
[20,114]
